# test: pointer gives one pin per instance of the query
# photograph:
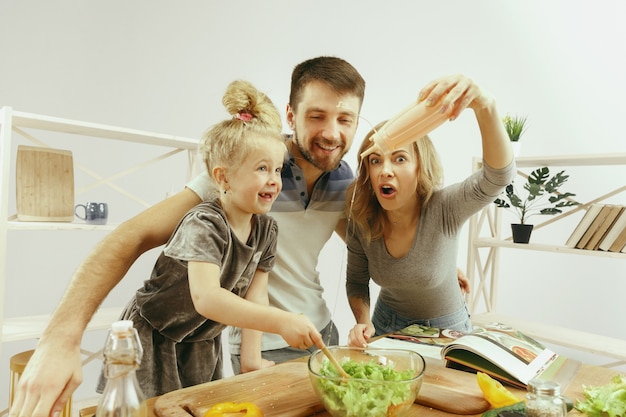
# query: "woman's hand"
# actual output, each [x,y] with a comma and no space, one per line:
[453,94]
[463,281]
[360,334]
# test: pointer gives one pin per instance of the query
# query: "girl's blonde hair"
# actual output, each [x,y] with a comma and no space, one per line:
[363,209]
[255,117]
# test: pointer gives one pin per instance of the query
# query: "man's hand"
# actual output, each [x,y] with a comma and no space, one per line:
[262,365]
[51,376]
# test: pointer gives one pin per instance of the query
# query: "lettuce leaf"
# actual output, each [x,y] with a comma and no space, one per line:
[605,400]
[358,397]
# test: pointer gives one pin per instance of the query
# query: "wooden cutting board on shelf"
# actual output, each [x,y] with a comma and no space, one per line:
[285,390]
[44,184]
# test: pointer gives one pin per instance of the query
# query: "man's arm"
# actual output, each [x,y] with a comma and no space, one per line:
[55,369]
[251,340]
[342,228]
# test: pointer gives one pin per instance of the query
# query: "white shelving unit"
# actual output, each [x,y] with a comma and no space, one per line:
[483,266]
[23,124]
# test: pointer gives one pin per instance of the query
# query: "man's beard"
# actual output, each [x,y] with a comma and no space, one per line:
[323,164]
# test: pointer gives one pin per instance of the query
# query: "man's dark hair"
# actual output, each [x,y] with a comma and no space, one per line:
[335,72]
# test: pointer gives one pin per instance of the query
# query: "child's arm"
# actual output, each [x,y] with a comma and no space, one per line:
[251,359]
[220,305]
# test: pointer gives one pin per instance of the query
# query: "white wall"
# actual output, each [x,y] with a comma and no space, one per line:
[162,66]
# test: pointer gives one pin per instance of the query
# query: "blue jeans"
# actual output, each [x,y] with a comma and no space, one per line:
[330,335]
[385,320]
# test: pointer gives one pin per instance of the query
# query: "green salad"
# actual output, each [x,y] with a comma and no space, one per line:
[358,397]
[605,400]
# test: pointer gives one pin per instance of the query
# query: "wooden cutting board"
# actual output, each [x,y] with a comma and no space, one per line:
[44,184]
[285,390]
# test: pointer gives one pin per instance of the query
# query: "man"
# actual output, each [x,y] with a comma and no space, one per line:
[324,105]
[323,110]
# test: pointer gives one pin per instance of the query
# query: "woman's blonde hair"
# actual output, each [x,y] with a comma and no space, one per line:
[364,212]
[227,143]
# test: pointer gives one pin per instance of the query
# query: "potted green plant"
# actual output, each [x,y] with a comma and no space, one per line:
[541,198]
[515,127]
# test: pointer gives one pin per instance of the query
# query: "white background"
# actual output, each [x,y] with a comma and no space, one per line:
[162,66]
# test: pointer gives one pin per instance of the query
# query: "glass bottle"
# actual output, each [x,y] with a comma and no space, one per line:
[412,123]
[544,399]
[122,396]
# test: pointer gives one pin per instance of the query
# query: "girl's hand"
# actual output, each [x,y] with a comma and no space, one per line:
[300,333]
[360,334]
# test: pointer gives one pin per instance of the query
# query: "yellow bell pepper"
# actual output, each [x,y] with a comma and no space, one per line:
[221,409]
[494,392]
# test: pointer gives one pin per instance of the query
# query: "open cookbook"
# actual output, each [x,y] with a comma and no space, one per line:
[497,349]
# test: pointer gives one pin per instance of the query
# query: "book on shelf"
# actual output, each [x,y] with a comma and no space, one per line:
[593,227]
[613,212]
[614,232]
[620,242]
[497,349]
[583,225]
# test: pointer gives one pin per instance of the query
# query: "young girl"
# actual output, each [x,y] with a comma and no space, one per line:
[405,226]
[213,271]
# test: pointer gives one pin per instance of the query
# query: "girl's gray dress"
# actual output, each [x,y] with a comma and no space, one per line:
[181,347]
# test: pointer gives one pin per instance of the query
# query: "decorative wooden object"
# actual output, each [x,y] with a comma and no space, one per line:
[44,184]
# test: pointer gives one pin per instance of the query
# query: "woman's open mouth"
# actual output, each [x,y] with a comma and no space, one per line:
[387,190]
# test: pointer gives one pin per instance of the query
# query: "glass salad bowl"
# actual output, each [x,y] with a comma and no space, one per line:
[382,383]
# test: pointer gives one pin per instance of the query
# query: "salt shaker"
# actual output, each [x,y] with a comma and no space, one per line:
[544,399]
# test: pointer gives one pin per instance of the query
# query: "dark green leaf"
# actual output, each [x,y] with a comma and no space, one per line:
[550,211]
[501,203]
[539,185]
[539,176]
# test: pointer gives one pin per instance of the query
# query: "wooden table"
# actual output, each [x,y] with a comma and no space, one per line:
[586,375]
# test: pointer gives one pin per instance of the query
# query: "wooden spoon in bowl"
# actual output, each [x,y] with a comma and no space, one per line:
[335,363]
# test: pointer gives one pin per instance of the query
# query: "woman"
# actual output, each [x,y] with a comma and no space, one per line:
[404,226]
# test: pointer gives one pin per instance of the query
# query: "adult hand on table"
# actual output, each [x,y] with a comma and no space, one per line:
[360,334]
[51,376]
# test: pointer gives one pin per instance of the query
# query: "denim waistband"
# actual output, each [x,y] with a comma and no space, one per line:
[386,320]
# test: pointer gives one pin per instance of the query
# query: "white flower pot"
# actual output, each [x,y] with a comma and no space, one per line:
[517,148]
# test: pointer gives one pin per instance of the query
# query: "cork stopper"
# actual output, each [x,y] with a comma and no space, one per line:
[121,326]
